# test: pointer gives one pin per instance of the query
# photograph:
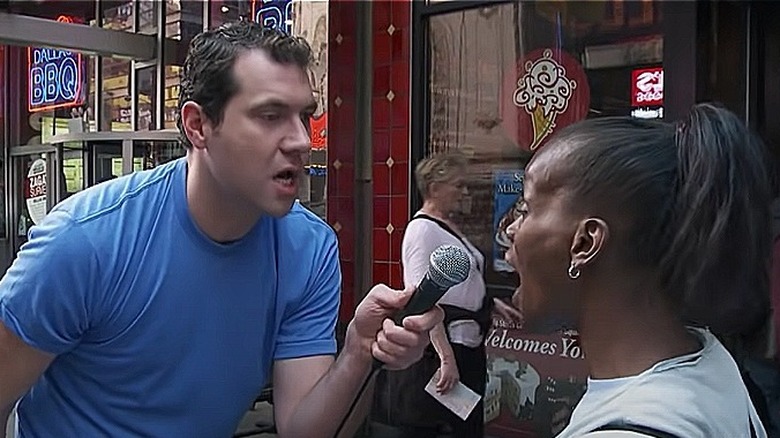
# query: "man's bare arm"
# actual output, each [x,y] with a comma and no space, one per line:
[327,387]
[20,366]
[313,395]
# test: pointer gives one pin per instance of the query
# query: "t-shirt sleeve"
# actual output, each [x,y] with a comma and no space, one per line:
[47,297]
[310,328]
[420,240]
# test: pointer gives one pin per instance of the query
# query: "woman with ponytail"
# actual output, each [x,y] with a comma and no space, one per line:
[649,237]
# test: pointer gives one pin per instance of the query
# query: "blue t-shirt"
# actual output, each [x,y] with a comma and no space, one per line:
[158,330]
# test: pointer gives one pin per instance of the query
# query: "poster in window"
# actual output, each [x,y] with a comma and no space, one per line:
[507,195]
[534,381]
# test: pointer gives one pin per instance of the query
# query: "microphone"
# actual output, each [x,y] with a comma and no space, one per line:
[449,266]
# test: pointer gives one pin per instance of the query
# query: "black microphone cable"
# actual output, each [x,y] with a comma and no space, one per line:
[376,367]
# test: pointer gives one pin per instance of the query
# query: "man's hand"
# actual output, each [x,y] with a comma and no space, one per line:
[448,376]
[373,330]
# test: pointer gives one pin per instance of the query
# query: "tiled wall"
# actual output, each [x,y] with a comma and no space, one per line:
[390,149]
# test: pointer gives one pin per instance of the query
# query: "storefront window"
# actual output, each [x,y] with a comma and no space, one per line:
[184,19]
[3,231]
[78,12]
[172,80]
[310,21]
[117,114]
[224,11]
[146,98]
[503,79]
[147,16]
[119,17]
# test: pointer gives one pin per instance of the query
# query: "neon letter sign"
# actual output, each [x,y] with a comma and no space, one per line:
[54,78]
[274,13]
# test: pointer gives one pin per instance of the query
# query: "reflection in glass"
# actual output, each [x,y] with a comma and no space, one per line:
[184,19]
[223,11]
[172,80]
[3,231]
[78,12]
[119,17]
[310,21]
[147,16]
[504,78]
[146,87]
[117,115]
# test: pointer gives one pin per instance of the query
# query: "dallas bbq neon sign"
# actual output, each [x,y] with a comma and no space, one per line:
[273,13]
[54,77]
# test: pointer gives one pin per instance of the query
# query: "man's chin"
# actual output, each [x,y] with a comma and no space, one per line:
[280,210]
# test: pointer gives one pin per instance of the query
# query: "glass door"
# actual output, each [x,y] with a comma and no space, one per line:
[34,187]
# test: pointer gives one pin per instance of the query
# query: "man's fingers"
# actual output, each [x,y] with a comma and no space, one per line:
[393,361]
[399,336]
[424,322]
[388,298]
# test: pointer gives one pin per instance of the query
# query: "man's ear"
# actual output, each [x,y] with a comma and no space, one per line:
[589,240]
[195,123]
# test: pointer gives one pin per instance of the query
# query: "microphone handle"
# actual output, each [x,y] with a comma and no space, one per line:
[425,296]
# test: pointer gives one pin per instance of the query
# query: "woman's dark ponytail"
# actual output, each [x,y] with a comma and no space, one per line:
[720,243]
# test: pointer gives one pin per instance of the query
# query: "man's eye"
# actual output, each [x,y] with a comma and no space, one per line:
[269,116]
[306,120]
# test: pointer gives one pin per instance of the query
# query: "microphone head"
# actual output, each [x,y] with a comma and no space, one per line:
[449,266]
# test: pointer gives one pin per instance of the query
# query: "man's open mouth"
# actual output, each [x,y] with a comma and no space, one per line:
[286,177]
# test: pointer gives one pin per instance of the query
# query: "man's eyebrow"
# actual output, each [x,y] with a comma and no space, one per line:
[279,105]
[272,104]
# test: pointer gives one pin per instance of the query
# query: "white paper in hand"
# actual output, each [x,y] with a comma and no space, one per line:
[461,400]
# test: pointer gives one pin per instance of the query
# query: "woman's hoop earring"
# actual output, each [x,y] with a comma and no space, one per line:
[574,272]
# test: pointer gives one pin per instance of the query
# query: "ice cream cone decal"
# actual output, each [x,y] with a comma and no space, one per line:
[544,91]
[542,125]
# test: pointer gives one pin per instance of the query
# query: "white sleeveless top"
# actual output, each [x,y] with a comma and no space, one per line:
[421,238]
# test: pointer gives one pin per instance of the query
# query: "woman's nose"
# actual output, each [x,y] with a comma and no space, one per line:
[512,229]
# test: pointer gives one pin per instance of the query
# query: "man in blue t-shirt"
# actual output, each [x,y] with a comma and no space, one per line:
[158,304]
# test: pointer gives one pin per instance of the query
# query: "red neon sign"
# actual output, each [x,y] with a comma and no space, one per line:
[647,87]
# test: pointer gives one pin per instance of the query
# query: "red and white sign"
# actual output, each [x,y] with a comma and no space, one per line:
[35,191]
[647,87]
[546,90]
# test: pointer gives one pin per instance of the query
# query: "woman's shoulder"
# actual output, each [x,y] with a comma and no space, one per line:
[421,224]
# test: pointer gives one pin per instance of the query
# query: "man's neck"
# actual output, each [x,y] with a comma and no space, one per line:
[220,216]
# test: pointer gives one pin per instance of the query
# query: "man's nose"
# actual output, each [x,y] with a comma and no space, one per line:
[298,140]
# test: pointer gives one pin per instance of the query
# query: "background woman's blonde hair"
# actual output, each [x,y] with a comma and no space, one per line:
[441,167]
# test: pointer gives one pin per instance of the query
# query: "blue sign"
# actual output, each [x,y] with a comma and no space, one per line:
[507,196]
[54,79]
[274,13]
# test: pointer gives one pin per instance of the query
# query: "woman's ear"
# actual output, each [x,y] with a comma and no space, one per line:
[589,239]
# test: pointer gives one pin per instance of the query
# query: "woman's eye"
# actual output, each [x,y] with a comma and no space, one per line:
[521,210]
